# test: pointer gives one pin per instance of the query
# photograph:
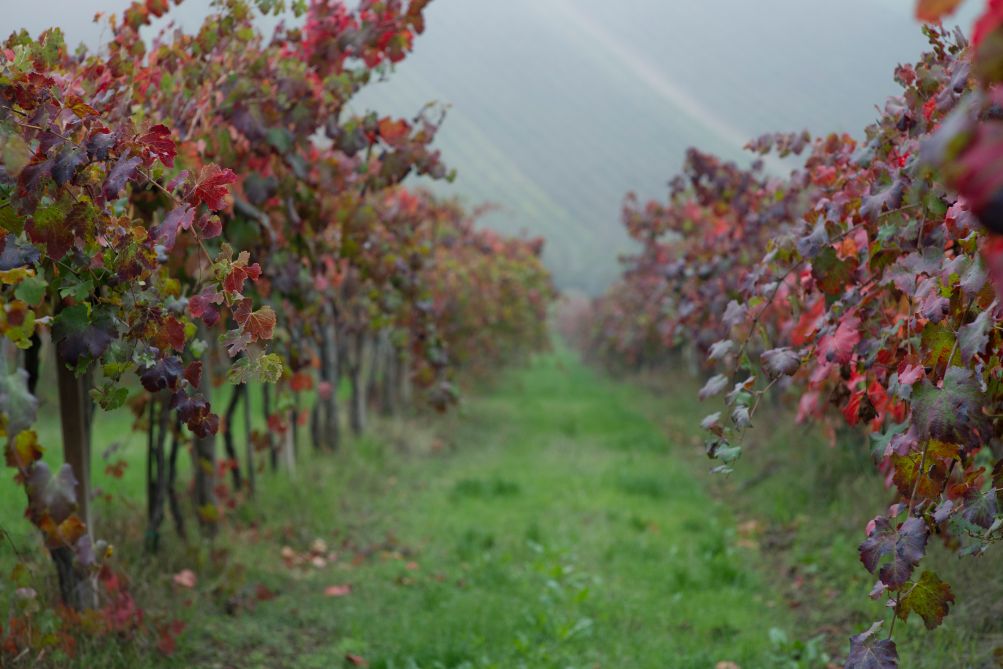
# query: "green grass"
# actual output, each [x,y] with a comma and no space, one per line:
[546,524]
[552,528]
[804,500]
[557,519]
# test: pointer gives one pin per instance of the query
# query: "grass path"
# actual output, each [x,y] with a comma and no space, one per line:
[551,527]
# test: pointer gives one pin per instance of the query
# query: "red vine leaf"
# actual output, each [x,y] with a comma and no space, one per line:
[393,131]
[174,331]
[838,347]
[158,144]
[193,373]
[258,324]
[988,22]
[301,382]
[212,187]
[240,271]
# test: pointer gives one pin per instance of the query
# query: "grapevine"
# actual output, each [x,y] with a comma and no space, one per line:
[867,281]
[202,209]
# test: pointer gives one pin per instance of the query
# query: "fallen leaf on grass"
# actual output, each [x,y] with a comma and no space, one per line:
[356,660]
[185,578]
[337,591]
[749,529]
[167,636]
[263,593]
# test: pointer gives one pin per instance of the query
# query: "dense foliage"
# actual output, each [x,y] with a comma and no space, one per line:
[866,286]
[202,208]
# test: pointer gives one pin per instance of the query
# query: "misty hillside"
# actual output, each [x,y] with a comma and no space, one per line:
[560,107]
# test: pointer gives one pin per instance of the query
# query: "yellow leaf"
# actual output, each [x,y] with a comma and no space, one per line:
[932,11]
[83,110]
[25,450]
[71,529]
[209,513]
[16,275]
